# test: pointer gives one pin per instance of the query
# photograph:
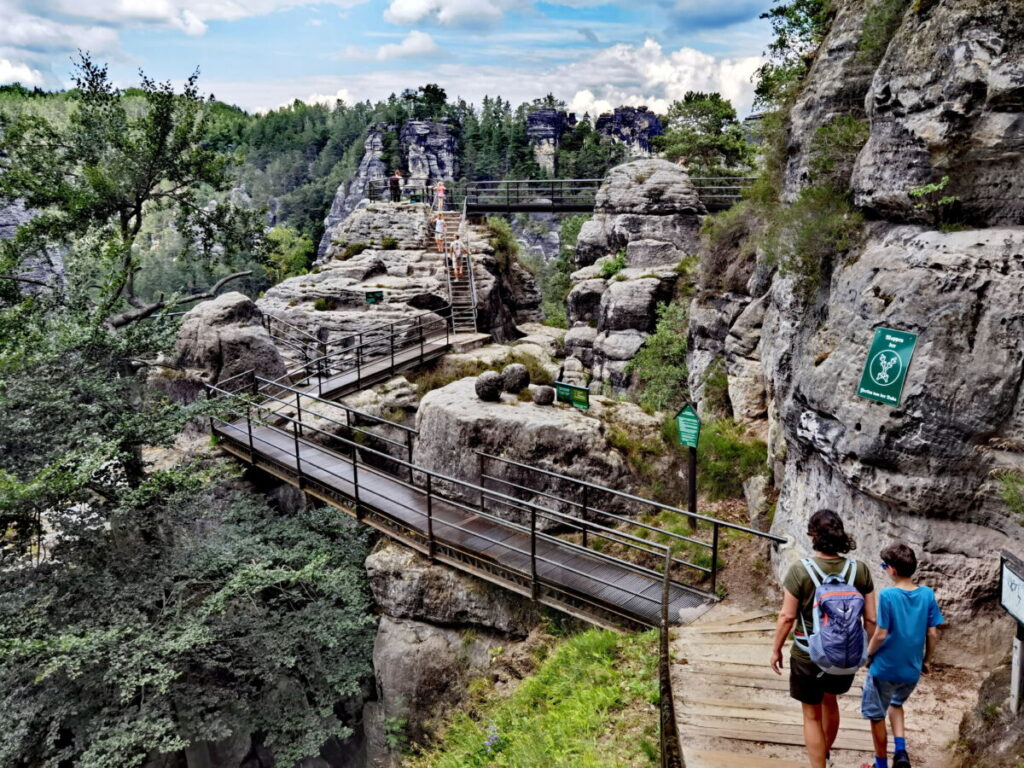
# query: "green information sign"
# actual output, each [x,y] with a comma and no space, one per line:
[575,396]
[688,426]
[374,297]
[886,368]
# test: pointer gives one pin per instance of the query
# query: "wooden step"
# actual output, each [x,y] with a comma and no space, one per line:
[700,758]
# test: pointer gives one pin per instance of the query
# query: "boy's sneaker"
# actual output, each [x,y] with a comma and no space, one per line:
[901,759]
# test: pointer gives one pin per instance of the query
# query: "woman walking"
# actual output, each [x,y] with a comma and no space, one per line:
[807,588]
[439,195]
[439,234]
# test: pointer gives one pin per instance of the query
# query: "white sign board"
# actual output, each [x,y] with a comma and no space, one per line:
[1012,593]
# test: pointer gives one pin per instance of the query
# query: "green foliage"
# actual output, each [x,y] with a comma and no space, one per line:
[196,612]
[583,153]
[504,243]
[716,388]
[553,275]
[932,203]
[704,129]
[612,267]
[350,250]
[586,706]
[880,24]
[388,243]
[834,149]
[1011,491]
[659,368]
[799,27]
[453,367]
[728,246]
[97,177]
[325,304]
[289,253]
[726,458]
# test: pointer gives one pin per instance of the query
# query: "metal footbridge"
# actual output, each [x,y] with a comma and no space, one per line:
[565,543]
[717,193]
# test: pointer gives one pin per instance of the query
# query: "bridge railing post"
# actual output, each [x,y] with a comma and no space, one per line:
[431,544]
[355,480]
[408,451]
[714,558]
[298,458]
[583,515]
[248,424]
[298,412]
[534,590]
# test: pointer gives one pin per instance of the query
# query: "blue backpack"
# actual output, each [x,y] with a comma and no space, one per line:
[838,642]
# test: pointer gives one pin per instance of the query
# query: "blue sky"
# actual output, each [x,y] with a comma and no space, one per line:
[261,54]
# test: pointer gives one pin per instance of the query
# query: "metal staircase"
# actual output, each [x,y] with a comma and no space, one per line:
[461,290]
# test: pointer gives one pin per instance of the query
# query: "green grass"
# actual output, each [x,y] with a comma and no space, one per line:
[447,370]
[880,24]
[591,704]
[726,457]
[1011,491]
[350,250]
[660,365]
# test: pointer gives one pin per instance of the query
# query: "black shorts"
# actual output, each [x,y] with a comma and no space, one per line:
[808,685]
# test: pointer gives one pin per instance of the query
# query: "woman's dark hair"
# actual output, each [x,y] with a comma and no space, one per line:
[828,534]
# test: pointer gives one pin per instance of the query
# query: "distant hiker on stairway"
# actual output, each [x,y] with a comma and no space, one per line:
[458,256]
[439,233]
[833,622]
[439,195]
[898,653]
[395,185]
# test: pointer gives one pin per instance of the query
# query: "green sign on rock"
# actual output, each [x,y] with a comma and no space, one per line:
[886,368]
[575,396]
[688,426]
[374,297]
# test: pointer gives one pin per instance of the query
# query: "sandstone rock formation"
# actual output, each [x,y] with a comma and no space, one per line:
[330,301]
[649,212]
[454,424]
[943,100]
[223,337]
[544,128]
[632,126]
[46,267]
[350,194]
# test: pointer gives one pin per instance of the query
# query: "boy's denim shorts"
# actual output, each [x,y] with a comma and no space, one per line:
[879,695]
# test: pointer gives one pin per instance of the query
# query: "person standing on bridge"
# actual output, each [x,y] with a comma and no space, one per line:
[807,586]
[395,184]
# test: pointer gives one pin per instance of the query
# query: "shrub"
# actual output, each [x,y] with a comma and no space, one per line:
[716,388]
[388,243]
[660,365]
[933,204]
[805,236]
[834,149]
[350,250]
[611,268]
[325,304]
[1011,491]
[728,249]
[726,457]
[504,243]
[880,24]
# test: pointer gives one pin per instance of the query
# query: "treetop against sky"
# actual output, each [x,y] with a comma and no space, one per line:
[261,54]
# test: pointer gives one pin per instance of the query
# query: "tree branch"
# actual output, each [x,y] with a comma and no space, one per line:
[140,313]
[30,280]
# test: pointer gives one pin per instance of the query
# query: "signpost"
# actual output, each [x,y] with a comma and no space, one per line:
[886,368]
[374,297]
[688,428]
[578,397]
[1011,598]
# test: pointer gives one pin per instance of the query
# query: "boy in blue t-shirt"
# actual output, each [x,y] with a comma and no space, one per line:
[898,652]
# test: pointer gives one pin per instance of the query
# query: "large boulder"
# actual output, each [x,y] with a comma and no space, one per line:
[630,304]
[223,337]
[406,585]
[948,100]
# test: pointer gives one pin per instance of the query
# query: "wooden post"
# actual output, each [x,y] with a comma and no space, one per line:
[1017,672]
[692,488]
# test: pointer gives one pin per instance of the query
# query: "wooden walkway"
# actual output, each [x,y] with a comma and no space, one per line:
[596,588]
[732,711]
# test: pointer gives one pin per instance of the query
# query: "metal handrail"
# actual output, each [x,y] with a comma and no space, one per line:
[631,497]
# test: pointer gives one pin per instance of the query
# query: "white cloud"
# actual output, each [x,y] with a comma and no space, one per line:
[315,23]
[19,73]
[415,44]
[341,94]
[452,13]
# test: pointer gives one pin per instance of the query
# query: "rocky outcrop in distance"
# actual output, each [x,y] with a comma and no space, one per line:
[47,268]
[429,152]
[632,126]
[545,128]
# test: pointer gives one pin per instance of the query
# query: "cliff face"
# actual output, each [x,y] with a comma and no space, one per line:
[545,128]
[945,99]
[46,268]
